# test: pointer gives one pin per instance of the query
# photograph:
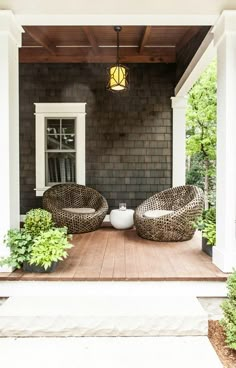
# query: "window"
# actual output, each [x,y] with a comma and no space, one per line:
[60,153]
[60,144]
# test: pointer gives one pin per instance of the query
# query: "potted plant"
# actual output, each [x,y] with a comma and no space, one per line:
[47,249]
[39,245]
[207,224]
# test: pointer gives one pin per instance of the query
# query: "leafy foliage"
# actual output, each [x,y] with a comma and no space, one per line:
[201,130]
[37,220]
[195,174]
[20,244]
[37,243]
[201,115]
[229,310]
[207,224]
[50,246]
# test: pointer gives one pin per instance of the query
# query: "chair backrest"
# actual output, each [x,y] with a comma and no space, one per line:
[178,197]
[72,195]
[173,198]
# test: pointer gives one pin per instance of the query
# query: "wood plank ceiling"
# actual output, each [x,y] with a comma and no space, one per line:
[97,44]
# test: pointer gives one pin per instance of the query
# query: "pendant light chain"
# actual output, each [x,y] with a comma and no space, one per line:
[118,55]
[118,46]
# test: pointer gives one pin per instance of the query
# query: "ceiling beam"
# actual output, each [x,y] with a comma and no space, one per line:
[38,36]
[159,55]
[91,39]
[144,39]
[187,37]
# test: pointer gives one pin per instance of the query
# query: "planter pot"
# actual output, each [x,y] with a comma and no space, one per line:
[206,248]
[34,268]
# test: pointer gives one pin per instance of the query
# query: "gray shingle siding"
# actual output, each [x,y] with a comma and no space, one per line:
[128,136]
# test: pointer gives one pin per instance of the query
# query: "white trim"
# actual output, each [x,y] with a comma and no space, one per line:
[60,107]
[179,104]
[10,40]
[198,64]
[225,24]
[224,253]
[43,110]
[9,25]
[107,218]
[145,288]
[224,259]
[122,19]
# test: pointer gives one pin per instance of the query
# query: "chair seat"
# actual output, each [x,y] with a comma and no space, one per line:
[157,213]
[80,210]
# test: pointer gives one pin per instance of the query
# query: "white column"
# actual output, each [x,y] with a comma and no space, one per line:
[224,254]
[179,104]
[10,41]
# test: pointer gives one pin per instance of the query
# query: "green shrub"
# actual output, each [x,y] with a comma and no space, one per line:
[37,243]
[50,246]
[229,310]
[20,244]
[207,224]
[37,220]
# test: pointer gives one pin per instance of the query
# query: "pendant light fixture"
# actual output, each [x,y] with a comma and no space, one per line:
[118,74]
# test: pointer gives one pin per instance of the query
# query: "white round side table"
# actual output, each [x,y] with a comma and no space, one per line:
[122,219]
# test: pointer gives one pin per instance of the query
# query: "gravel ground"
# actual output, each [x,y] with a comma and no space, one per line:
[217,338]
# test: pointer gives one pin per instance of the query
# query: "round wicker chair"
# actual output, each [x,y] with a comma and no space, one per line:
[75,196]
[187,204]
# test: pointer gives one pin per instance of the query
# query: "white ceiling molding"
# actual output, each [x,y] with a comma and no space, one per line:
[122,19]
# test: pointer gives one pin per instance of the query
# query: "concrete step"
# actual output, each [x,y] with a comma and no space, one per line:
[102,316]
[105,352]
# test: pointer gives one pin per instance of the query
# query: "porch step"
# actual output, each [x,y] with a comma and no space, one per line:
[102,316]
[105,352]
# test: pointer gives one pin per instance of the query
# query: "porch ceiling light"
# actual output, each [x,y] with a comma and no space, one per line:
[118,74]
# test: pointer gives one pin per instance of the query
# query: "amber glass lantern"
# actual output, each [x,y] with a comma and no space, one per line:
[118,74]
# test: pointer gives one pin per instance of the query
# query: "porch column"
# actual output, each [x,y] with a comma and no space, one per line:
[10,41]
[179,104]
[224,254]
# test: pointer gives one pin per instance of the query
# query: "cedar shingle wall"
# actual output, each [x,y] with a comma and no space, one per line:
[128,136]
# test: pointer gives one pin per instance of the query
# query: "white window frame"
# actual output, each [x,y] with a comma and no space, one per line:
[58,110]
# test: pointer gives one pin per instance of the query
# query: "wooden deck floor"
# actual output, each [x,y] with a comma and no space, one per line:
[109,254]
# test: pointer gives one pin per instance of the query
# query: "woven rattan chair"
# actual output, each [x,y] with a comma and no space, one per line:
[75,196]
[186,202]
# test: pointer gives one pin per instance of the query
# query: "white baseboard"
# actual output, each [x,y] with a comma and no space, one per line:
[22,218]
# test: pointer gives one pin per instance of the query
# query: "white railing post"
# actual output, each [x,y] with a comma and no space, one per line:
[10,41]
[224,253]
[179,104]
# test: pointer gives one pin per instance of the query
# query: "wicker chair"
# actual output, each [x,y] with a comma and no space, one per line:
[187,204]
[75,196]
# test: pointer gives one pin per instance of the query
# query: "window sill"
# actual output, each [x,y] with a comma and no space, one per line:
[40,191]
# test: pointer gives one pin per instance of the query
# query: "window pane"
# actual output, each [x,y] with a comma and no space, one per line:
[68,141]
[60,167]
[53,141]
[53,126]
[68,126]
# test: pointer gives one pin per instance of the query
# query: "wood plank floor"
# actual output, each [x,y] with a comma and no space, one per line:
[109,254]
